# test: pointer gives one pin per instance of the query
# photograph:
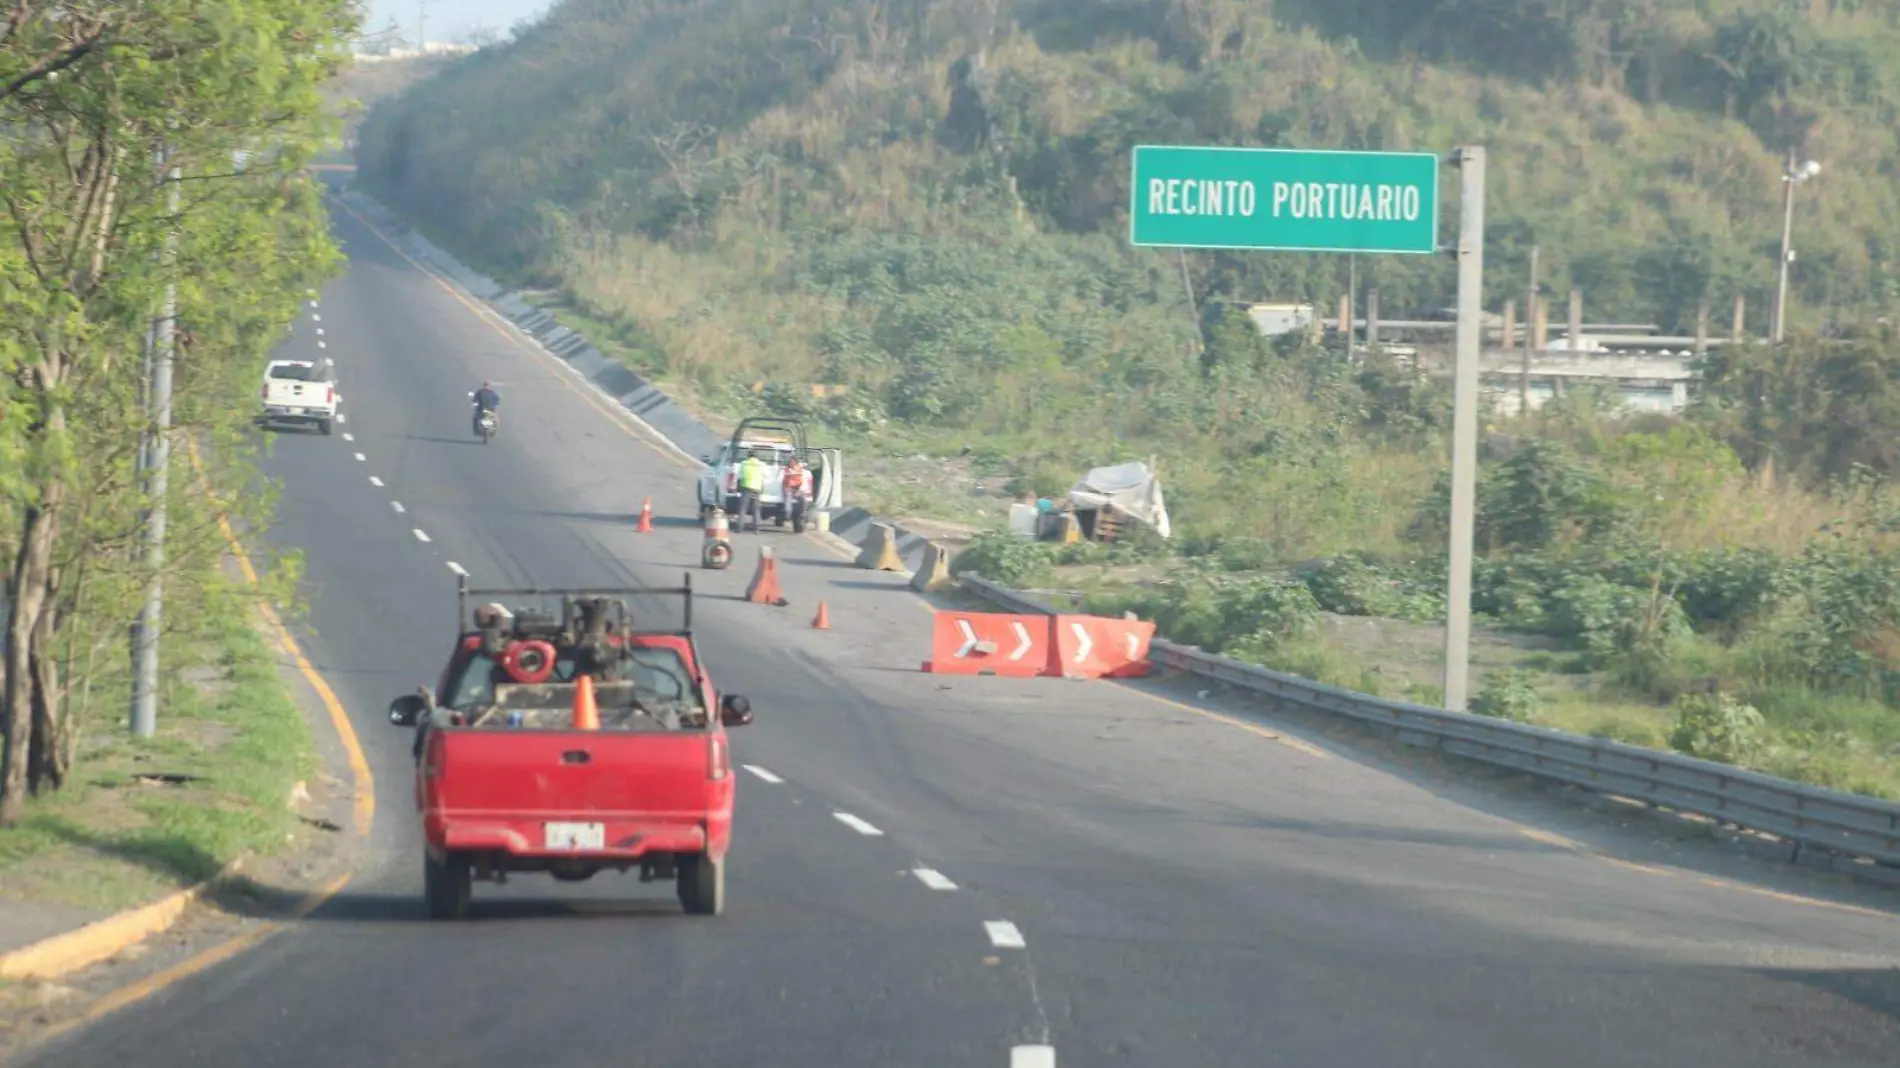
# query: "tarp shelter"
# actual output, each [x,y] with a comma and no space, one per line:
[1130,489]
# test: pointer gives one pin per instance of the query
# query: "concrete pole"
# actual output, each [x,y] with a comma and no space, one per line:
[1738,327]
[1576,320]
[1780,323]
[157,464]
[1372,319]
[1530,314]
[1464,427]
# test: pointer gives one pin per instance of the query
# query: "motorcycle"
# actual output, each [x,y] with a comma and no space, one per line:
[486,423]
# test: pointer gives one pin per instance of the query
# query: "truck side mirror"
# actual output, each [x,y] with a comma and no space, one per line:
[404,711]
[735,711]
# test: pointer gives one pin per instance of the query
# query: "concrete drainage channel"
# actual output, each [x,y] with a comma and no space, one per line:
[1829,829]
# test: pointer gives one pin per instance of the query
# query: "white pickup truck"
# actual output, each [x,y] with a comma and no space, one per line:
[774,439]
[299,391]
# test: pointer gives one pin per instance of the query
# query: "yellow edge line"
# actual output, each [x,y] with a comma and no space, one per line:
[83,947]
[364,787]
[217,954]
[486,318]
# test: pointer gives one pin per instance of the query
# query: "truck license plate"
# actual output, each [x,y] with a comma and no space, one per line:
[576,835]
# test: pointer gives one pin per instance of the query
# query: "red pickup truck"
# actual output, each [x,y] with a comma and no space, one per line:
[572,744]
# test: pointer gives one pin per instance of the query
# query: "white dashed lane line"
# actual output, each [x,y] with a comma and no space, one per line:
[341,418]
[457,568]
[933,879]
[762,773]
[374,481]
[321,345]
[857,824]
[349,437]
[1004,935]
[397,505]
[1032,1057]
[316,318]
[420,536]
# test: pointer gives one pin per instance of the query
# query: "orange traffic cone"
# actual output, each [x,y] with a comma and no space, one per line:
[764,588]
[586,715]
[822,621]
[646,517]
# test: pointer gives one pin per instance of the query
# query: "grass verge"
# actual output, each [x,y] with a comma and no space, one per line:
[141,817]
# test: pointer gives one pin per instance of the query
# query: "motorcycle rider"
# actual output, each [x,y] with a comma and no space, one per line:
[486,400]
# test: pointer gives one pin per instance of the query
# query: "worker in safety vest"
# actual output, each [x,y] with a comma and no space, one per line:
[795,487]
[751,485]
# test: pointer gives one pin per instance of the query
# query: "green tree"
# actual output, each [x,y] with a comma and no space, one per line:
[89,91]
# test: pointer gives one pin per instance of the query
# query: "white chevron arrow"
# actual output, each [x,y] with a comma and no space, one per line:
[969,638]
[1022,633]
[1082,635]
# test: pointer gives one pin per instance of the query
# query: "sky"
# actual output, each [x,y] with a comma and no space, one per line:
[449,19]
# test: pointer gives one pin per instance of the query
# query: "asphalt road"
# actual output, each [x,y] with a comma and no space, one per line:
[1185,892]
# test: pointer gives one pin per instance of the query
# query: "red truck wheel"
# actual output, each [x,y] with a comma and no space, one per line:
[702,884]
[446,886]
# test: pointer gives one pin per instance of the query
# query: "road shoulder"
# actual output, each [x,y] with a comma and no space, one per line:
[154,894]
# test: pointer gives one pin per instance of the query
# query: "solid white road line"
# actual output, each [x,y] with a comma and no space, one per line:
[374,481]
[1004,935]
[420,536]
[933,879]
[1032,1057]
[457,568]
[856,824]
[397,505]
[762,773]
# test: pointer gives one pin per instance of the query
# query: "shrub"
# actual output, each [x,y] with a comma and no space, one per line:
[1008,559]
[1510,695]
[1718,727]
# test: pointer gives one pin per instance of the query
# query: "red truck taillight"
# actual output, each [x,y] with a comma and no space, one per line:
[719,767]
[329,394]
[263,391]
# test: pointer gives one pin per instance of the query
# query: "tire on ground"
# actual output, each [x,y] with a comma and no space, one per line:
[702,884]
[446,886]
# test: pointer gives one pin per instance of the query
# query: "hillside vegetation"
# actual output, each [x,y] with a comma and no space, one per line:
[925,203]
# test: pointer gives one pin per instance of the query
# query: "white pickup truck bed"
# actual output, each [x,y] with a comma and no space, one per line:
[299,391]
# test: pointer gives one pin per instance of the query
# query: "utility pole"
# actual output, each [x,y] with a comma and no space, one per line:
[1791,177]
[1530,314]
[156,460]
[1464,425]
[422,23]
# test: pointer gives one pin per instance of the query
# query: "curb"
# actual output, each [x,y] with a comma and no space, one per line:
[679,431]
[63,954]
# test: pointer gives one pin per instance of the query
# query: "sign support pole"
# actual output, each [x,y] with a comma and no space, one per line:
[1464,425]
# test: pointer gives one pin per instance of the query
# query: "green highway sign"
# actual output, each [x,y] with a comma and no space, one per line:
[1285,199]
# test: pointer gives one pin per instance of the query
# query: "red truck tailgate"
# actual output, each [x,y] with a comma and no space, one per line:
[612,793]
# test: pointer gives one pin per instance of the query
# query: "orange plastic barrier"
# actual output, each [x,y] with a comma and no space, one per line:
[1097,647]
[977,643]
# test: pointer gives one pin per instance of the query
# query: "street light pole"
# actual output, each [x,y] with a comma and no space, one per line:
[157,461]
[1792,176]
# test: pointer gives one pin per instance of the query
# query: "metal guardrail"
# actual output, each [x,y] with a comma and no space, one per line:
[1808,815]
